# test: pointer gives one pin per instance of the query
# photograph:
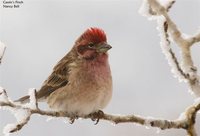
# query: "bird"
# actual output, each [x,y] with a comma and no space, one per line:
[81,82]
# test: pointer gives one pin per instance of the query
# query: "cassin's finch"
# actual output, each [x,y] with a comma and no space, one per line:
[81,82]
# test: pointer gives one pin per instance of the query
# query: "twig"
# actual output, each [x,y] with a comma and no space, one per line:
[168,52]
[195,39]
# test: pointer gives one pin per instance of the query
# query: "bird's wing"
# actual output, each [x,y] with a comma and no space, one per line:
[57,79]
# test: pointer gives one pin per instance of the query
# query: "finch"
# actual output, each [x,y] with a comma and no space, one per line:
[81,82]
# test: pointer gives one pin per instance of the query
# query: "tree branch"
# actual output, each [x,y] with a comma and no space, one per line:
[186,122]
[188,70]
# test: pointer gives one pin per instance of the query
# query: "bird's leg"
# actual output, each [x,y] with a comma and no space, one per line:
[96,116]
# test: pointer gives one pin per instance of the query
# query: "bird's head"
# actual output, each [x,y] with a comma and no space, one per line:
[92,43]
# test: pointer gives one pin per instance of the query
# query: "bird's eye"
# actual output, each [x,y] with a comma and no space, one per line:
[90,45]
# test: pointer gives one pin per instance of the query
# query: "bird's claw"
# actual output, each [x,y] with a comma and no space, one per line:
[96,116]
[72,119]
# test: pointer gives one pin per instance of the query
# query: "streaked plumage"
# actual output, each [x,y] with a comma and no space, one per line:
[81,82]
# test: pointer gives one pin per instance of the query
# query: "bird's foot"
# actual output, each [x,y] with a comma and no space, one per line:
[72,119]
[96,116]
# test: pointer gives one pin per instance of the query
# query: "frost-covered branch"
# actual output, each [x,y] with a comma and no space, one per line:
[187,71]
[168,52]
[24,112]
[2,50]
[196,38]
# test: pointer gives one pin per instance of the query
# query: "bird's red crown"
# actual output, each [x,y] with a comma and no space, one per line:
[94,35]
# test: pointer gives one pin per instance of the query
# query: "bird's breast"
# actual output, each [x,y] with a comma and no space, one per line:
[89,89]
[94,83]
[96,72]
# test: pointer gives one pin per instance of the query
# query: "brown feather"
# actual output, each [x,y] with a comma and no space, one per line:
[59,76]
[57,79]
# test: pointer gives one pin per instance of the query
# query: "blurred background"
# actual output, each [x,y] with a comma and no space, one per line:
[40,33]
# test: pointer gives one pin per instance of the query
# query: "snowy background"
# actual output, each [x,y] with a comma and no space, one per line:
[39,33]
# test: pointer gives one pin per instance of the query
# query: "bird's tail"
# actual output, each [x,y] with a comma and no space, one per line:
[24,99]
[44,92]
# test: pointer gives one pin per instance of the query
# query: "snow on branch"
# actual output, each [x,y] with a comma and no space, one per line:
[24,112]
[167,28]
[184,71]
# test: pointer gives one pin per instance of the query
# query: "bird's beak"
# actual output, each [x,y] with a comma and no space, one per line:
[104,47]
